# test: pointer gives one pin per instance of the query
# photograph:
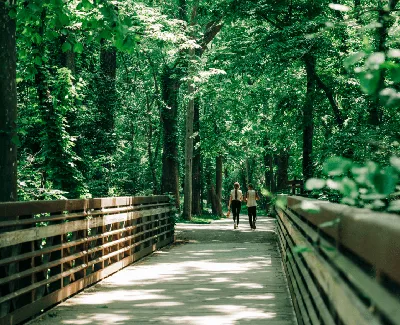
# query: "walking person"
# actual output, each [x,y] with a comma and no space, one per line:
[235,200]
[251,198]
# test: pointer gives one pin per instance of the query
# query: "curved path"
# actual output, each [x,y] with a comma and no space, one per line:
[212,275]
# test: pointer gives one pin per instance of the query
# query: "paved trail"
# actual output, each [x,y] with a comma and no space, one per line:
[213,275]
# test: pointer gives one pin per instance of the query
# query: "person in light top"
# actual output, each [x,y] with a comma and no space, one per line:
[235,201]
[251,198]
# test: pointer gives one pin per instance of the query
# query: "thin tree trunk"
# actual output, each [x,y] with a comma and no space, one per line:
[8,106]
[218,180]
[169,115]
[187,207]
[329,95]
[282,172]
[308,123]
[196,179]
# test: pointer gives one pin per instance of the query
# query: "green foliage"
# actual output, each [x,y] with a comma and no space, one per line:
[364,185]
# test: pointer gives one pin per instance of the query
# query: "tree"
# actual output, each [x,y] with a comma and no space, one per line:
[8,103]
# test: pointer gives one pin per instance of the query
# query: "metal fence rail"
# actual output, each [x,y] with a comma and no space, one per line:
[342,263]
[50,250]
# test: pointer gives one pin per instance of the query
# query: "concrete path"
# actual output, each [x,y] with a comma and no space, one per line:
[213,275]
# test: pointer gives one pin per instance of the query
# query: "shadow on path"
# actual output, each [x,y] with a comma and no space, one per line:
[220,276]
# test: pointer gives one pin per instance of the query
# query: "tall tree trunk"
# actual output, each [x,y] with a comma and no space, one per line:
[211,196]
[282,172]
[196,179]
[218,181]
[308,123]
[169,115]
[187,207]
[8,106]
[268,171]
[107,99]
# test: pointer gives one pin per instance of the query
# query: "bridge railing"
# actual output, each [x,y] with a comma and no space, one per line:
[50,250]
[342,263]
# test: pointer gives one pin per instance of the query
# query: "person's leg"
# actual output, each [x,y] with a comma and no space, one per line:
[254,216]
[250,217]
[239,206]
[235,212]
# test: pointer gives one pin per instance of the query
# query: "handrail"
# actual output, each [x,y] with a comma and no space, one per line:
[49,250]
[342,262]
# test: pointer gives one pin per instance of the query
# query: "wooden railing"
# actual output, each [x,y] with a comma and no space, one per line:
[296,186]
[53,249]
[342,263]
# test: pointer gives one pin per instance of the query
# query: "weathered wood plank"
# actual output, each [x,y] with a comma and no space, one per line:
[370,235]
[371,289]
[20,236]
[346,303]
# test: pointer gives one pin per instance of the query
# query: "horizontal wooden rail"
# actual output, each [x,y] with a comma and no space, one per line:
[342,263]
[50,250]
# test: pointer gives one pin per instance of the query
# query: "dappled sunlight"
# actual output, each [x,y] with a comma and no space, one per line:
[99,318]
[230,282]
[161,304]
[116,295]
[255,297]
[247,285]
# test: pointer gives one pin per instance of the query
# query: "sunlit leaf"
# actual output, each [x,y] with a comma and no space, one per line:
[66,47]
[336,166]
[315,184]
[353,59]
[339,7]
[310,207]
[328,224]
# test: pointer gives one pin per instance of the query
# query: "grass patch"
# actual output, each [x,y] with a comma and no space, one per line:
[202,219]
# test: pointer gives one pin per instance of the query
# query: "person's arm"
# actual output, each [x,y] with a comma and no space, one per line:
[257,197]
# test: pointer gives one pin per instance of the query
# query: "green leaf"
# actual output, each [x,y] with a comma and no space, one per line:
[331,223]
[353,59]
[369,81]
[309,207]
[385,181]
[395,74]
[315,184]
[78,48]
[336,166]
[12,13]
[347,200]
[393,53]
[63,19]
[360,174]
[66,47]
[349,188]
[395,163]
[281,202]
[15,140]
[38,60]
[394,206]
[375,60]
[301,249]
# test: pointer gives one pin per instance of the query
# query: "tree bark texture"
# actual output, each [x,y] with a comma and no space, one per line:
[196,169]
[308,123]
[107,96]
[169,114]
[282,172]
[8,106]
[218,183]
[187,206]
